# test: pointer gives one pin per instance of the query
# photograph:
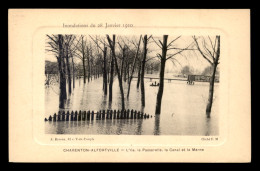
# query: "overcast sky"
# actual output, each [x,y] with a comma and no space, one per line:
[188,57]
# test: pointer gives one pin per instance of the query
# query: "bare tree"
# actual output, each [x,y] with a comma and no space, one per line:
[56,45]
[163,58]
[111,75]
[104,50]
[81,54]
[211,53]
[68,42]
[112,47]
[143,69]
[139,72]
[144,60]
[133,67]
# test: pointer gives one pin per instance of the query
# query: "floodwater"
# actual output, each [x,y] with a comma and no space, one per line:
[182,112]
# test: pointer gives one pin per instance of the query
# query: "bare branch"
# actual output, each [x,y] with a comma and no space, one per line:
[96,44]
[52,39]
[150,59]
[157,43]
[178,52]
[173,41]
[180,49]
[149,38]
[203,55]
[161,43]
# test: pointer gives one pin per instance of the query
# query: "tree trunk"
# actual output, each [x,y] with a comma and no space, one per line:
[162,70]
[128,74]
[212,81]
[118,71]
[68,69]
[143,70]
[125,71]
[139,75]
[73,68]
[88,71]
[64,77]
[108,75]
[61,64]
[211,91]
[105,71]
[133,69]
[111,79]
[84,69]
[122,64]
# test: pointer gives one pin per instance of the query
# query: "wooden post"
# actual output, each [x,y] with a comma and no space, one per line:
[84,115]
[88,115]
[59,116]
[76,116]
[63,116]
[68,116]
[71,116]
[54,117]
[128,111]
[79,115]
[124,114]
[110,114]
[99,115]
[103,114]
[50,118]
[107,114]
[135,115]
[92,115]
[132,114]
[114,114]
[118,114]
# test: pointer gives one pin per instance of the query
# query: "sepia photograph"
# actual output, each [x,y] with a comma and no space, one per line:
[137,85]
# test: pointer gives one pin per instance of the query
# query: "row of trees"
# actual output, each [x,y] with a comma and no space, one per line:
[123,57]
[187,70]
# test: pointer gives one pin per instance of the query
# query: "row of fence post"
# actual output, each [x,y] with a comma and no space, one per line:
[102,114]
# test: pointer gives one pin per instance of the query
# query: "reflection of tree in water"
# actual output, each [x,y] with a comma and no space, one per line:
[140,123]
[82,97]
[157,130]
[208,127]
[60,128]
[109,103]
[120,126]
[139,127]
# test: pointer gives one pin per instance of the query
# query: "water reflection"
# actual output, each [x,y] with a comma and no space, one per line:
[183,110]
[208,127]
[157,125]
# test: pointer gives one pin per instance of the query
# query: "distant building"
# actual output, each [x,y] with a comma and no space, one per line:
[203,78]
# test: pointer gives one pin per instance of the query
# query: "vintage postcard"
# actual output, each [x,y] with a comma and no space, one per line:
[129,85]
